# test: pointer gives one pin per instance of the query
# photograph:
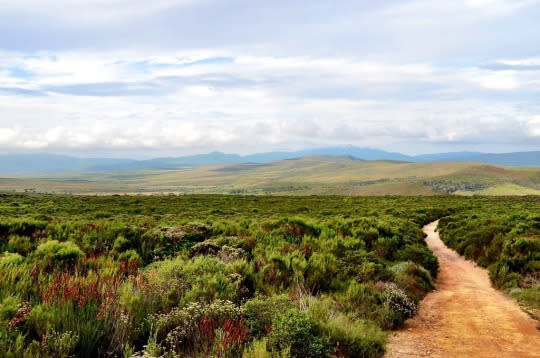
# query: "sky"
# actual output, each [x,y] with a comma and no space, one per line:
[138,78]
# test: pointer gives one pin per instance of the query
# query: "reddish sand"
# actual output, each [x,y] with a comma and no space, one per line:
[465,316]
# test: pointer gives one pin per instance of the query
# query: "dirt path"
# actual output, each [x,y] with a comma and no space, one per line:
[465,316]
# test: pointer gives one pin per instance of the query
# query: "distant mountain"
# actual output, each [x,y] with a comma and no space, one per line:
[360,153]
[216,158]
[52,163]
[523,159]
[446,157]
[199,160]
[518,159]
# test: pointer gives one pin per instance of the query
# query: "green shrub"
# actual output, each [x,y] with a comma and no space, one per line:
[20,244]
[359,298]
[8,259]
[57,253]
[261,310]
[297,332]
[277,272]
[321,271]
[130,256]
[422,256]
[8,308]
[354,339]
[413,278]
[121,244]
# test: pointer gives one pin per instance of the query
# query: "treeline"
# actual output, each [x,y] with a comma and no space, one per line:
[211,276]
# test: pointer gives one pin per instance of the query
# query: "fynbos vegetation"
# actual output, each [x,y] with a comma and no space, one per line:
[229,276]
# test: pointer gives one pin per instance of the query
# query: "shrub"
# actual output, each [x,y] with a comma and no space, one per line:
[399,302]
[166,241]
[8,259]
[22,227]
[8,308]
[57,253]
[204,248]
[188,329]
[277,273]
[261,310]
[258,349]
[354,339]
[20,244]
[58,344]
[230,254]
[130,256]
[369,271]
[413,278]
[297,332]
[359,298]
[295,229]
[121,244]
[396,308]
[422,256]
[321,271]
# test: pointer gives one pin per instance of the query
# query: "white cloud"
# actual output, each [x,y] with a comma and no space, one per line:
[250,102]
[499,7]
[497,80]
[197,76]
[8,135]
[91,12]
[533,126]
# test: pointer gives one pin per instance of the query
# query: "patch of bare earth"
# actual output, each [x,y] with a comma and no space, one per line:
[465,316]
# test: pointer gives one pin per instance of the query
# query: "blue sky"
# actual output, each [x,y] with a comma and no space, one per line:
[173,77]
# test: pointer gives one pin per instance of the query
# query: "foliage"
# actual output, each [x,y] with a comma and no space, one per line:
[299,334]
[58,254]
[224,276]
[503,237]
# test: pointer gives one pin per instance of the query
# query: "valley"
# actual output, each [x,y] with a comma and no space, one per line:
[312,175]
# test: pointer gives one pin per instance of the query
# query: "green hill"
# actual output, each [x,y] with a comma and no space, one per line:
[339,175]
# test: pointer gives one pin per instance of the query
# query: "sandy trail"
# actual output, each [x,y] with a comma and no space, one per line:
[465,316]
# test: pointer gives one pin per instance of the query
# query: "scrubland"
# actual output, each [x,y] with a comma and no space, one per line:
[237,276]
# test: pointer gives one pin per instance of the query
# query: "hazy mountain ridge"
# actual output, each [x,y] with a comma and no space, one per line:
[53,163]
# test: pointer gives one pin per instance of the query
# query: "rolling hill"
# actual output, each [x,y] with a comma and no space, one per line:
[52,163]
[316,174]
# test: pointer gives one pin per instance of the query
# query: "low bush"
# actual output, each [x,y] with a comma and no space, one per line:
[359,338]
[296,332]
[260,311]
[57,254]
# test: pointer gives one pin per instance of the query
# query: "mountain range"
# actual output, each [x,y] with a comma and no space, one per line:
[53,163]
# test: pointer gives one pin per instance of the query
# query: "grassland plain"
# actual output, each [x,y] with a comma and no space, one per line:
[320,175]
[236,276]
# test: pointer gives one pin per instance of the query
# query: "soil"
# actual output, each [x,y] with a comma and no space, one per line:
[465,316]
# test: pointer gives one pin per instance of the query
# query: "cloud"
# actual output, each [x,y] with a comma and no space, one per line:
[7,135]
[192,76]
[91,12]
[510,67]
[20,91]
